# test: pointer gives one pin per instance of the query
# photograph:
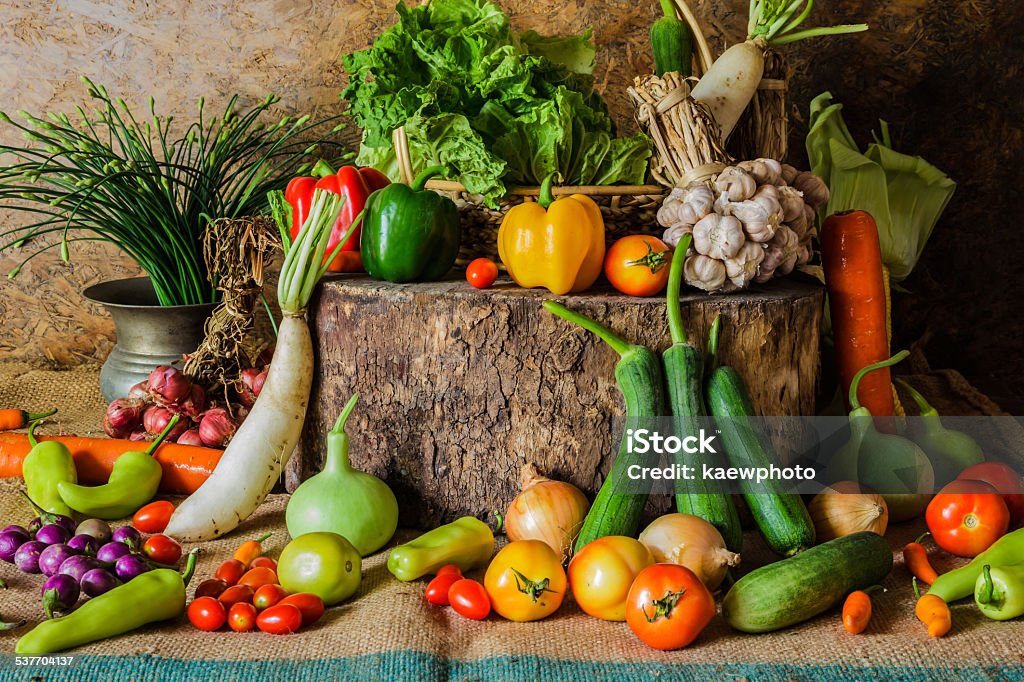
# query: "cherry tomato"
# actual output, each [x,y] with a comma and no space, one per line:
[230,571]
[601,574]
[268,595]
[236,594]
[525,581]
[206,613]
[242,617]
[258,577]
[162,549]
[447,569]
[263,562]
[469,599]
[481,273]
[437,589]
[211,588]
[1007,483]
[966,517]
[282,619]
[311,606]
[153,517]
[668,606]
[638,265]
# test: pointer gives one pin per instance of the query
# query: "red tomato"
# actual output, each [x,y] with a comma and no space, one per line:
[311,606]
[1007,483]
[638,265]
[162,549]
[447,569]
[268,595]
[282,619]
[469,599]
[966,517]
[211,588]
[230,571]
[668,606]
[236,594]
[153,517]
[264,561]
[481,273]
[206,613]
[437,589]
[258,577]
[242,617]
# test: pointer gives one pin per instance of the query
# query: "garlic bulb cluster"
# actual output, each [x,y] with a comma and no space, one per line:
[752,221]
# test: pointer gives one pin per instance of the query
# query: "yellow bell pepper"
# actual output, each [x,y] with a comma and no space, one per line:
[554,244]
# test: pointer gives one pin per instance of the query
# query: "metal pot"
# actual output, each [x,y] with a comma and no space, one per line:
[148,334]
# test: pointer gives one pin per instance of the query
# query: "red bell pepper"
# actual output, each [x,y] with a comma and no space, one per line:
[355,184]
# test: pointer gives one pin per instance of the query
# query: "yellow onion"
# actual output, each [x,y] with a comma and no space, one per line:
[692,542]
[845,508]
[546,510]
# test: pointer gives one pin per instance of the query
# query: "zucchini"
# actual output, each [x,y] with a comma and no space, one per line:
[781,516]
[684,375]
[793,590]
[671,43]
[638,373]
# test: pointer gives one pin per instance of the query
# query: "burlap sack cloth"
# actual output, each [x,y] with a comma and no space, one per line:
[388,631]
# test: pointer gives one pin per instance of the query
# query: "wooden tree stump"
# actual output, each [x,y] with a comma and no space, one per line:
[459,388]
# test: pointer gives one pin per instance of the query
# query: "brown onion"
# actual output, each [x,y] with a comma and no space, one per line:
[692,542]
[845,508]
[122,416]
[216,428]
[546,510]
[168,385]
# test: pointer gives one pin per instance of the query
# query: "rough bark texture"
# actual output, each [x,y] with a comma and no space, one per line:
[458,388]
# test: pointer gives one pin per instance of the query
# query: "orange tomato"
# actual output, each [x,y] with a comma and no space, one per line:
[668,606]
[601,574]
[525,581]
[258,577]
[638,265]
[236,594]
[966,517]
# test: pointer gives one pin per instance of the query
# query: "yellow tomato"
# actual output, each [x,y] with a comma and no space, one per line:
[601,573]
[525,581]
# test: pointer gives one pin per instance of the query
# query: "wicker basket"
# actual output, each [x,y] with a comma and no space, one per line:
[626,209]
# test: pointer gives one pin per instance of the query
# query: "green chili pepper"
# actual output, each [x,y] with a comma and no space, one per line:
[46,466]
[999,592]
[466,542]
[149,598]
[957,584]
[133,482]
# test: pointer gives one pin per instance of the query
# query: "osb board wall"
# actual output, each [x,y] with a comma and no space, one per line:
[945,73]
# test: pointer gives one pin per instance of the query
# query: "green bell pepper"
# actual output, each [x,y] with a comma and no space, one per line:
[410,234]
[999,592]
[959,583]
[46,466]
[466,542]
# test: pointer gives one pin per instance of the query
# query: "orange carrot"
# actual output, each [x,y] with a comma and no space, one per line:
[15,419]
[857,610]
[852,260]
[915,557]
[186,467]
[250,549]
[933,612]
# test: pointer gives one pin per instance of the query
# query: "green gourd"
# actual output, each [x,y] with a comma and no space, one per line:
[896,467]
[671,42]
[358,506]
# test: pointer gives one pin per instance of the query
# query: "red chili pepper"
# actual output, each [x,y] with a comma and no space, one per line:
[355,184]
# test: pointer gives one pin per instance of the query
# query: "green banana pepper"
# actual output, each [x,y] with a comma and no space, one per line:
[133,482]
[466,542]
[957,584]
[151,597]
[47,466]
[999,592]
[410,234]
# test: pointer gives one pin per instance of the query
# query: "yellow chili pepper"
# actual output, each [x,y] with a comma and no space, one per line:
[558,245]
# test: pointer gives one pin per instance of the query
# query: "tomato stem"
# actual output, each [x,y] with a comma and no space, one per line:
[663,607]
[533,588]
[655,261]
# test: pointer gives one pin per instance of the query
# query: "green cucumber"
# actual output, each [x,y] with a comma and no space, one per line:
[793,590]
[781,516]
[671,43]
[684,375]
[638,373]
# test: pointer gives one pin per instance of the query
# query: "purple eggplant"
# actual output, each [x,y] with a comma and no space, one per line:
[10,541]
[60,593]
[27,556]
[86,544]
[53,534]
[97,528]
[130,566]
[128,536]
[78,566]
[98,581]
[112,551]
[46,519]
[16,527]
[51,558]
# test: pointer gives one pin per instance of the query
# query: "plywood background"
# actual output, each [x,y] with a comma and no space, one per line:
[945,73]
